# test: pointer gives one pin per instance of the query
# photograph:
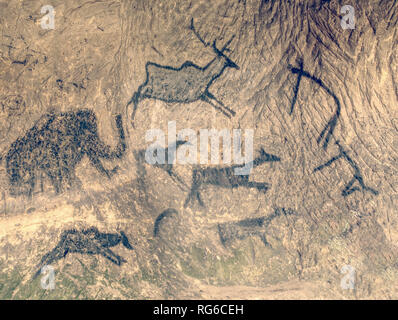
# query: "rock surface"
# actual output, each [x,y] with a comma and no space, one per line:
[288,241]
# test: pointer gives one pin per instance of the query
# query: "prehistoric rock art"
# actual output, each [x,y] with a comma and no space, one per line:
[13,105]
[164,214]
[357,173]
[330,126]
[243,229]
[55,145]
[225,177]
[88,241]
[167,166]
[186,84]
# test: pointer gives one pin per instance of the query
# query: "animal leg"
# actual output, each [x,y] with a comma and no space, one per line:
[56,180]
[98,165]
[125,241]
[193,194]
[260,186]
[177,178]
[134,100]
[54,255]
[205,98]
[211,96]
[31,186]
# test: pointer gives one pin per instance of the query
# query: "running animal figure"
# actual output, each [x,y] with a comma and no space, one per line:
[55,145]
[89,241]
[225,177]
[357,173]
[186,84]
[168,166]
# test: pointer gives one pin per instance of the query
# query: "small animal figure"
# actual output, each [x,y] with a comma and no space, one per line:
[225,177]
[88,241]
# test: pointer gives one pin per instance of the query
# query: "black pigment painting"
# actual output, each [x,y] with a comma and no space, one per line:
[209,150]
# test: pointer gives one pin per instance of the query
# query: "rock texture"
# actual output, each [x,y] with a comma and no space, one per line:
[321,98]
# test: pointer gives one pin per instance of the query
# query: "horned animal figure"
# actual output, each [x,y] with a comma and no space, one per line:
[240,230]
[186,84]
[225,177]
[55,145]
[357,173]
[88,241]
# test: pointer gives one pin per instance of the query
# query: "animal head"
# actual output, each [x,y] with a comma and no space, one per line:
[220,53]
[266,157]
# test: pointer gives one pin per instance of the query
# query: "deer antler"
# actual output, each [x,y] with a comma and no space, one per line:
[227,44]
[206,44]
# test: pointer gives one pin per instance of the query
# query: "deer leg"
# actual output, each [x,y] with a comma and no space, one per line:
[205,98]
[211,96]
[108,254]
[193,194]
[98,165]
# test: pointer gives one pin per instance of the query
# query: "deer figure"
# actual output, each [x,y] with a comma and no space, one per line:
[186,84]
[240,230]
[88,241]
[225,177]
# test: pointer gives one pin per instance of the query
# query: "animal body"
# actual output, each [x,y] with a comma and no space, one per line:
[88,241]
[55,145]
[186,84]
[225,177]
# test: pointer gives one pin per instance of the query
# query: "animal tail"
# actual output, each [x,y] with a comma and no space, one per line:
[125,241]
[164,214]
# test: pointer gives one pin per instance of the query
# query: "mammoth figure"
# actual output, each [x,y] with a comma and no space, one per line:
[55,145]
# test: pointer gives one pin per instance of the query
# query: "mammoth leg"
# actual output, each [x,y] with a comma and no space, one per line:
[98,165]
